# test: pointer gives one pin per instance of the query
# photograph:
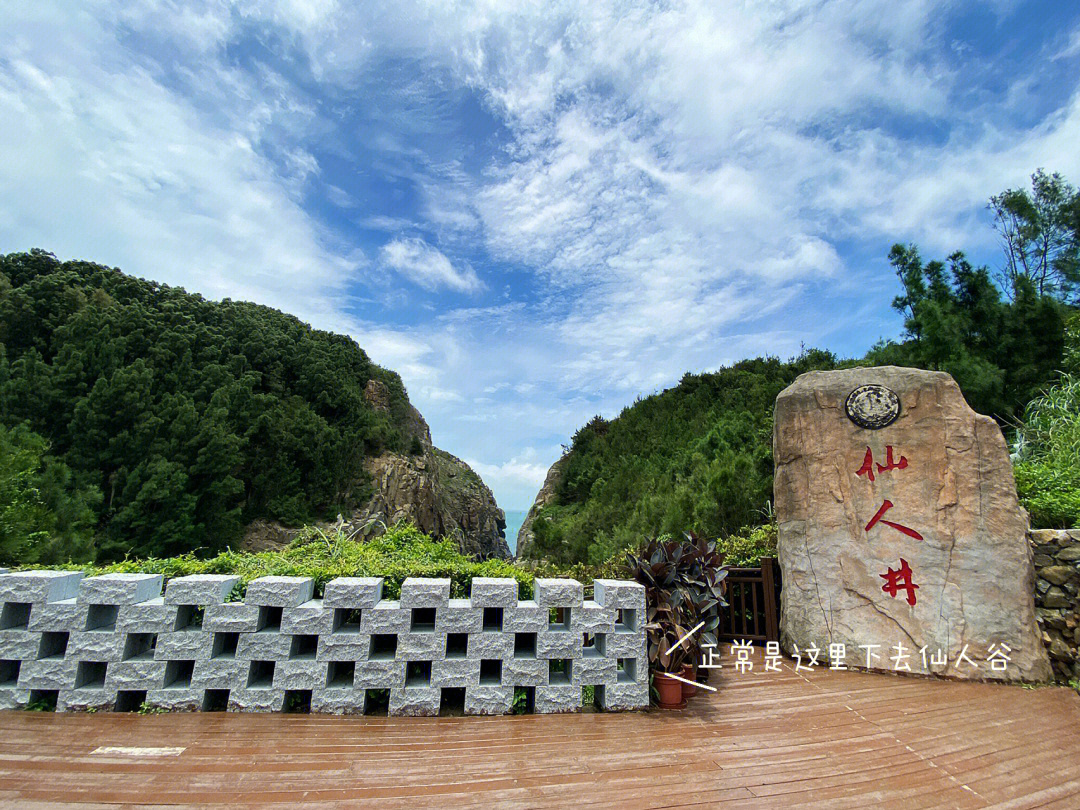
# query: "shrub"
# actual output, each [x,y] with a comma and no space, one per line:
[1048,454]
[749,545]
[403,551]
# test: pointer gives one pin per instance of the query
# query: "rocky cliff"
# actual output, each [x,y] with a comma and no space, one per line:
[438,492]
[544,497]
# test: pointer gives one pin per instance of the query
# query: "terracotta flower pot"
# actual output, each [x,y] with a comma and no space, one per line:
[669,691]
[689,671]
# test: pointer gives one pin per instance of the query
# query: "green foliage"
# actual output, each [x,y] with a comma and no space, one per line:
[745,548]
[146,708]
[697,456]
[1040,234]
[520,704]
[192,417]
[999,352]
[685,584]
[1048,463]
[403,551]
[43,517]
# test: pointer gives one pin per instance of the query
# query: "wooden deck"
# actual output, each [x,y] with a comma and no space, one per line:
[787,740]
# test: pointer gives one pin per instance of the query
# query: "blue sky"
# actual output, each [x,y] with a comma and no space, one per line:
[533,211]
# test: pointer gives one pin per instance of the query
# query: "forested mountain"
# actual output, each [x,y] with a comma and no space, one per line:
[699,456]
[173,422]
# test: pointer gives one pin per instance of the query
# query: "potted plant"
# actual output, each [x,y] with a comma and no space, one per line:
[685,584]
[667,656]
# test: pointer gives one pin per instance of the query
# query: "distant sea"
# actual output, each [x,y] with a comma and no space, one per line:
[514,519]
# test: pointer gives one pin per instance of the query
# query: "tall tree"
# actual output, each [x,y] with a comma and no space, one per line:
[1040,235]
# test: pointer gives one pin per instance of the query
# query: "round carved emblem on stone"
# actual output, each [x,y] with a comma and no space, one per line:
[872,406]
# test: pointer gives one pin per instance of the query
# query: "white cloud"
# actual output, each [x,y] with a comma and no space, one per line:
[427,266]
[679,181]
[102,161]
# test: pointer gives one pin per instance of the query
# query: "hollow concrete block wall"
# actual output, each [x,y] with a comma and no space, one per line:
[115,642]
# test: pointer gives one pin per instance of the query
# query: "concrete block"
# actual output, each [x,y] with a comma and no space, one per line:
[556,699]
[338,701]
[625,645]
[559,645]
[415,701]
[54,673]
[592,618]
[456,672]
[136,675]
[175,700]
[184,646]
[616,593]
[199,589]
[19,644]
[494,592]
[264,646]
[490,645]
[56,616]
[279,591]
[39,586]
[525,672]
[386,617]
[91,646]
[220,673]
[380,674]
[422,592]
[459,617]
[344,647]
[625,697]
[119,589]
[76,700]
[593,672]
[151,616]
[231,617]
[353,592]
[489,700]
[256,700]
[558,593]
[527,617]
[14,698]
[310,618]
[300,675]
[421,646]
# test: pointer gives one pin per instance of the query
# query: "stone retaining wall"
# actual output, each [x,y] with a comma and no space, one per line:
[114,642]
[1057,597]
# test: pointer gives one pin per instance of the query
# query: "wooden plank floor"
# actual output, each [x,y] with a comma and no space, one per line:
[765,740]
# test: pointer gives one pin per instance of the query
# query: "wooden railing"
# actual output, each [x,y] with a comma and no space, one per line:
[753,597]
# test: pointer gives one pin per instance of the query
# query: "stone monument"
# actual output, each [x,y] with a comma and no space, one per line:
[901,541]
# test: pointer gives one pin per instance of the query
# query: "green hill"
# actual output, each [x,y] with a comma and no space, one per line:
[168,421]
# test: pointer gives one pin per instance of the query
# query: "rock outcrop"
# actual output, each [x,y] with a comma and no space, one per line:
[438,492]
[899,525]
[544,497]
[1057,597]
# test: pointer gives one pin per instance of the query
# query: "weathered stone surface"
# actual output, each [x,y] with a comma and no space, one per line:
[39,586]
[119,589]
[199,589]
[950,480]
[494,592]
[424,592]
[1057,574]
[558,593]
[280,591]
[436,491]
[353,592]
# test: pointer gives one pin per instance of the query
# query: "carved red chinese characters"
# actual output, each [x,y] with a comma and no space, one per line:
[904,572]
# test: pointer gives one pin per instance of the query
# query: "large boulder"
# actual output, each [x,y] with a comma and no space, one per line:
[899,528]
